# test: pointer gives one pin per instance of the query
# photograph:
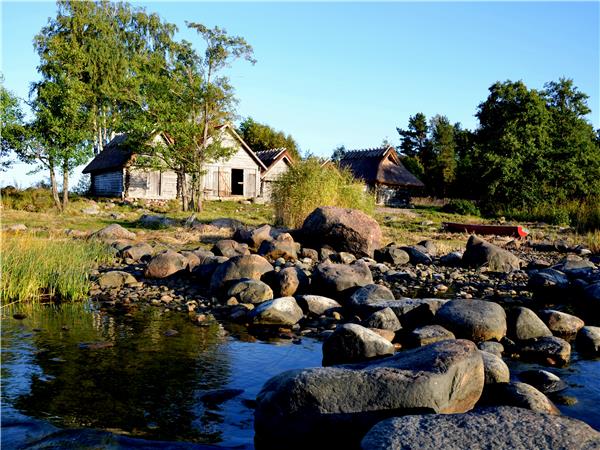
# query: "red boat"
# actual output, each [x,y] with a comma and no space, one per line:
[499,230]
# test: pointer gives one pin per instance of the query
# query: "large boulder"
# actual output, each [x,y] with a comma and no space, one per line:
[112,232]
[138,252]
[247,266]
[230,248]
[310,408]
[344,229]
[500,428]
[165,264]
[550,350]
[115,279]
[280,311]
[361,298]
[351,343]
[255,237]
[496,259]
[317,305]
[334,279]
[496,370]
[477,320]
[250,291]
[384,319]
[524,324]
[417,254]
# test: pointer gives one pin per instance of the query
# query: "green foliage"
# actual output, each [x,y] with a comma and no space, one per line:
[442,165]
[31,199]
[307,185]
[462,207]
[38,268]
[338,153]
[414,166]
[11,125]
[414,140]
[260,137]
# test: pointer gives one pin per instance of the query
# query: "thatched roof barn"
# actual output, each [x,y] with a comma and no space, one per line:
[382,171]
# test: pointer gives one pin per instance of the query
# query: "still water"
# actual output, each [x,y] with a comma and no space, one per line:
[148,384]
[73,366]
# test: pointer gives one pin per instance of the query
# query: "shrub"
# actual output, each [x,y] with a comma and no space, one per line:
[307,185]
[36,268]
[462,207]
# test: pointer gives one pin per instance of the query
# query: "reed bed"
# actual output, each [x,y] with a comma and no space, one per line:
[38,268]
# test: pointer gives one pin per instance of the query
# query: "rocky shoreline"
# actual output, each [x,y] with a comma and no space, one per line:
[406,331]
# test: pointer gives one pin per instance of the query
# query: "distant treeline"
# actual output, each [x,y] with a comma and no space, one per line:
[533,151]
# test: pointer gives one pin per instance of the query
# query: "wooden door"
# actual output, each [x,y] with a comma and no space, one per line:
[251,185]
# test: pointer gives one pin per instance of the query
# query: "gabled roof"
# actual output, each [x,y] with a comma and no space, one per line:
[273,156]
[115,154]
[379,165]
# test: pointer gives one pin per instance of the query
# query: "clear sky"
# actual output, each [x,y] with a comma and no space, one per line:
[350,73]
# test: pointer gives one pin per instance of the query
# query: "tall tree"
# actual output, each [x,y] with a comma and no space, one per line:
[512,141]
[11,126]
[414,140]
[338,153]
[443,146]
[260,136]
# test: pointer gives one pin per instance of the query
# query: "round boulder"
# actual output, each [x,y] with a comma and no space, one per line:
[477,320]
[280,311]
[333,279]
[165,264]
[352,343]
[250,291]
[115,279]
[560,323]
[246,266]
[524,324]
[496,370]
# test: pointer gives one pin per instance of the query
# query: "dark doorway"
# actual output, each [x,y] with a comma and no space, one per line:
[237,181]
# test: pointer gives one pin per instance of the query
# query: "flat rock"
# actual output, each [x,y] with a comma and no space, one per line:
[337,405]
[498,428]
[351,343]
[477,320]
[280,311]
[428,335]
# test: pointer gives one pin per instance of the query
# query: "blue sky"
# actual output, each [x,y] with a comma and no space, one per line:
[349,73]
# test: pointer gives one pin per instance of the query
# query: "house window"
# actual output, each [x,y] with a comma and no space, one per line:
[237,181]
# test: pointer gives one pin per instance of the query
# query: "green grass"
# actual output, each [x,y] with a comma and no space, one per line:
[36,268]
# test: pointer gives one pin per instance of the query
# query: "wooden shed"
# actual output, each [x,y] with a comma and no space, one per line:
[115,174]
[383,172]
[276,161]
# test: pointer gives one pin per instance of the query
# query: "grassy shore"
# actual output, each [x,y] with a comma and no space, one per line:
[38,267]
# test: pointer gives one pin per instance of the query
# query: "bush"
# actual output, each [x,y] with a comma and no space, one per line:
[31,199]
[307,185]
[462,207]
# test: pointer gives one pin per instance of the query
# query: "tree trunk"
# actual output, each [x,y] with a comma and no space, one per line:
[65,193]
[184,191]
[53,187]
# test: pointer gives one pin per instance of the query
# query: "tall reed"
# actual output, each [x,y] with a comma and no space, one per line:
[35,268]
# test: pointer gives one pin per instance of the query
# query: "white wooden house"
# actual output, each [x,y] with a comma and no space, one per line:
[114,173]
[276,161]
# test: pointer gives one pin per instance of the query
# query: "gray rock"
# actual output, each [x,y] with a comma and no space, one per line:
[524,324]
[115,279]
[347,230]
[343,258]
[452,259]
[499,428]
[482,253]
[317,305]
[548,281]
[251,291]
[334,279]
[113,232]
[366,295]
[477,320]
[495,348]
[280,311]
[165,264]
[412,312]
[429,247]
[417,255]
[521,395]
[303,408]
[351,343]
[155,221]
[230,248]
[384,319]
[138,252]
[391,254]
[546,382]
[588,340]
[255,237]
[496,370]
[549,350]
[428,335]
[247,266]
[560,323]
